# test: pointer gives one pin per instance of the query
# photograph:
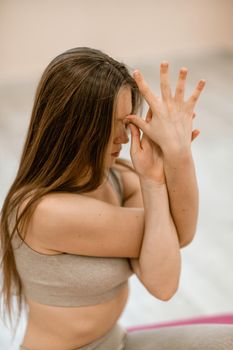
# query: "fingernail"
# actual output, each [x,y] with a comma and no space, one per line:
[183,70]
[164,63]
[202,82]
[136,73]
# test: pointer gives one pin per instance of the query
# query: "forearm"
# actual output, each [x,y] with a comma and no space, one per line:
[159,261]
[183,193]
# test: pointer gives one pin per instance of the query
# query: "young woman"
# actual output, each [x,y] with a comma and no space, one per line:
[77,222]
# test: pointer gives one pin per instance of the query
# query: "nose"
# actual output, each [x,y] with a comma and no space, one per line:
[122,136]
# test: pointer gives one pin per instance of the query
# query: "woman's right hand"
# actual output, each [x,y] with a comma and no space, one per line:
[170,126]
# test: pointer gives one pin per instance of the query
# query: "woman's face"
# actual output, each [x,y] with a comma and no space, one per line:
[119,132]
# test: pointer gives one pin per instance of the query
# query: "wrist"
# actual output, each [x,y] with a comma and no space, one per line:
[175,153]
[155,195]
[149,183]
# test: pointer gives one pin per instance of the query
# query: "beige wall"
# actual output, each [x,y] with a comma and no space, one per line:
[34,31]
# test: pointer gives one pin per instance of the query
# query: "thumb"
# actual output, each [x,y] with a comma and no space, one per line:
[135,145]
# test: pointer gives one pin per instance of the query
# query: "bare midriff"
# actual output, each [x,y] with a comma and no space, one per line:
[60,328]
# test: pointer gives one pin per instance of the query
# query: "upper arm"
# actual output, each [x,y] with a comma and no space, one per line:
[78,224]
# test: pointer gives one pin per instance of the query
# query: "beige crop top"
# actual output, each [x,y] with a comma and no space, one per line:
[69,280]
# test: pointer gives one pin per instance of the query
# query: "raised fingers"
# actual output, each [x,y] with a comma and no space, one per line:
[150,97]
[180,87]
[164,81]
[195,95]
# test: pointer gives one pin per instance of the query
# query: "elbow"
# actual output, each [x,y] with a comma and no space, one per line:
[167,295]
[163,295]
[183,242]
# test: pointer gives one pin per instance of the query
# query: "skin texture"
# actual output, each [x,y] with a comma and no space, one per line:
[153,232]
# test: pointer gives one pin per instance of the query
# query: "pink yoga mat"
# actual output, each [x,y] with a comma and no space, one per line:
[224,318]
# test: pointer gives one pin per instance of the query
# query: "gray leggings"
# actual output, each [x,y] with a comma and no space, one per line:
[190,337]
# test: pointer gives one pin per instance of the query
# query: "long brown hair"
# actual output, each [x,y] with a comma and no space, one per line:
[65,146]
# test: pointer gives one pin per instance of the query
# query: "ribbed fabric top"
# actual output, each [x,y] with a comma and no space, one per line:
[68,279]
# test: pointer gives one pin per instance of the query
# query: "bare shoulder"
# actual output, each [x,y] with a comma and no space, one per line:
[130,182]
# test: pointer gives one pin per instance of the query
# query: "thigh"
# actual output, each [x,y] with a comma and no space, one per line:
[113,340]
[190,337]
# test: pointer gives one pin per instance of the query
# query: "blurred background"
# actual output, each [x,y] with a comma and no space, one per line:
[197,34]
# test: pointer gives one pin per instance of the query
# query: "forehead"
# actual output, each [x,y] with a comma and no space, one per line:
[124,103]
